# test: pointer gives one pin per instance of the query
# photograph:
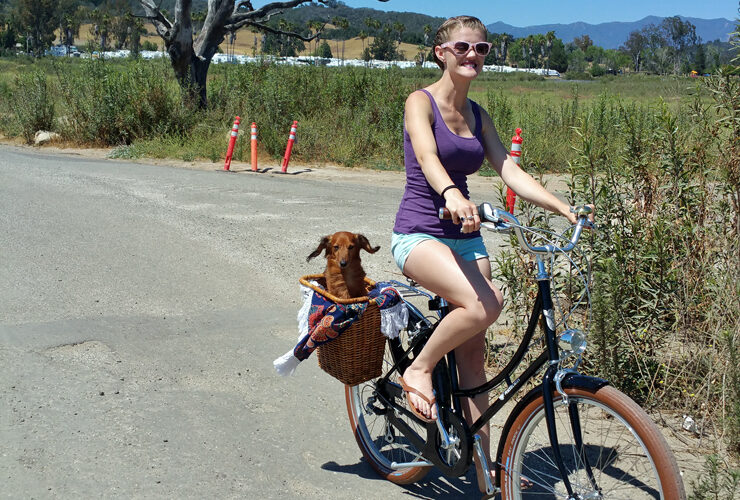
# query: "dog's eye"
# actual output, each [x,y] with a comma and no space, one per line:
[351,247]
[336,247]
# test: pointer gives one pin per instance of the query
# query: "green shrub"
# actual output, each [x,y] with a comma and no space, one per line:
[33,104]
[718,482]
[577,75]
[107,106]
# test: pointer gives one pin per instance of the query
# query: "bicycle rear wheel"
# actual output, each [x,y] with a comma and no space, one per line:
[628,455]
[379,441]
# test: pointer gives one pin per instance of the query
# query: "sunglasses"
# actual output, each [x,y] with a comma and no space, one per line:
[462,47]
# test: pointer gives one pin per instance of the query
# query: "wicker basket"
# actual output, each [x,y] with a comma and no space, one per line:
[355,356]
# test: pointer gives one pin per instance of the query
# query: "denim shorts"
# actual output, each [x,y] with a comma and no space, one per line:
[467,248]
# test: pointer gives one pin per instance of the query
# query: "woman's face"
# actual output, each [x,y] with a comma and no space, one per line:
[469,64]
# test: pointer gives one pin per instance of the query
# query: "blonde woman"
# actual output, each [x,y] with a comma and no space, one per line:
[446,138]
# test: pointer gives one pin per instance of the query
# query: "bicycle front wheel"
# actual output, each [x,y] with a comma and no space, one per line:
[625,451]
[383,445]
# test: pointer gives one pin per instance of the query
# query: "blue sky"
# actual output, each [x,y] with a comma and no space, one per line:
[533,12]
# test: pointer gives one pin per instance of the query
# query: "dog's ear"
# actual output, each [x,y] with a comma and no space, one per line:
[323,245]
[365,244]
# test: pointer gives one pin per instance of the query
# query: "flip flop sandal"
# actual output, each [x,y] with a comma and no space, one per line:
[407,389]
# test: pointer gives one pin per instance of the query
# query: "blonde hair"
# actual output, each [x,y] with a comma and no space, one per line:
[443,32]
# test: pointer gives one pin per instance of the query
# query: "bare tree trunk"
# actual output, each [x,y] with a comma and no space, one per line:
[190,58]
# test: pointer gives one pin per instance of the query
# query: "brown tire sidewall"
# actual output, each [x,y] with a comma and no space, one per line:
[402,476]
[648,432]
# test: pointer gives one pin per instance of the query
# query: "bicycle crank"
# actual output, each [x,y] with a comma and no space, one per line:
[452,444]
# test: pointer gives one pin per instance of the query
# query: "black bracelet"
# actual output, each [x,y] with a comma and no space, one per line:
[451,186]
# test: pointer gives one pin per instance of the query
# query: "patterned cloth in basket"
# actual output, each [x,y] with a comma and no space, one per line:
[320,320]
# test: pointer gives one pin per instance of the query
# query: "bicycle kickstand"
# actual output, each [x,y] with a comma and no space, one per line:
[490,489]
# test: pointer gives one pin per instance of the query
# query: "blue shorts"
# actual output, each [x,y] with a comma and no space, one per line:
[467,248]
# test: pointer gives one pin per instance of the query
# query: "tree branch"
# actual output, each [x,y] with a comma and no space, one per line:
[264,27]
[267,9]
[161,23]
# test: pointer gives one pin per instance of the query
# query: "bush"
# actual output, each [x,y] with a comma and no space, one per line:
[32,104]
[149,45]
[108,106]
[577,75]
[597,70]
[346,115]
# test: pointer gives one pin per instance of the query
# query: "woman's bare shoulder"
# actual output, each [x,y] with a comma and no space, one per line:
[418,102]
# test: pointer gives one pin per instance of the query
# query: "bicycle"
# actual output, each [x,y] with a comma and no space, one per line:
[572,436]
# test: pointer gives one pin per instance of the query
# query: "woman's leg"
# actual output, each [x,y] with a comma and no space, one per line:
[470,358]
[437,268]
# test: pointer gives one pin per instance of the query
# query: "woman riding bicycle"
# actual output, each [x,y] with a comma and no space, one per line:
[446,138]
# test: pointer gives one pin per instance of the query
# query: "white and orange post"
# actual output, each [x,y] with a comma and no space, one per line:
[289,147]
[253,146]
[516,154]
[232,142]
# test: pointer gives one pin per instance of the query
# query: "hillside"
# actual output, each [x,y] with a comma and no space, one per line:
[246,40]
[612,35]
[608,35]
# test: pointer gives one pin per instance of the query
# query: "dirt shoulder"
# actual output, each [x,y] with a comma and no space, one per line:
[479,185]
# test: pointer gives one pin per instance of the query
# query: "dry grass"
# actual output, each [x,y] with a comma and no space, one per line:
[246,41]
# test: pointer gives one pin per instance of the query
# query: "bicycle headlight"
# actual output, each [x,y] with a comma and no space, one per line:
[573,341]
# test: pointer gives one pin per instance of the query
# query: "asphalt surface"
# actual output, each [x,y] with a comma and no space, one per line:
[141,307]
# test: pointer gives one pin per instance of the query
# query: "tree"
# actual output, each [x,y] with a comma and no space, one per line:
[680,36]
[316,27]
[558,58]
[635,46]
[8,32]
[373,24]
[383,46]
[504,41]
[324,50]
[583,42]
[362,36]
[577,61]
[700,60]
[427,31]
[280,44]
[399,28]
[595,54]
[549,41]
[38,20]
[342,23]
[190,56]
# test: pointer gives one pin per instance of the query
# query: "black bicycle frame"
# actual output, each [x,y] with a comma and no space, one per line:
[542,309]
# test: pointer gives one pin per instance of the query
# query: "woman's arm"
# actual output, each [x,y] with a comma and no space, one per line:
[517,179]
[418,120]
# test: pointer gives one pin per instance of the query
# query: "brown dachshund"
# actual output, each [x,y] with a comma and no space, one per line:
[344,275]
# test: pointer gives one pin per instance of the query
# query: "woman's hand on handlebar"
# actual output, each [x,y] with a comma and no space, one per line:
[463,211]
[574,213]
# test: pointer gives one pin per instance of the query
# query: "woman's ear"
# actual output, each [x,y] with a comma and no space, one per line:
[440,53]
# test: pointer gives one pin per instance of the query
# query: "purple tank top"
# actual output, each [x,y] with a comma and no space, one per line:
[461,156]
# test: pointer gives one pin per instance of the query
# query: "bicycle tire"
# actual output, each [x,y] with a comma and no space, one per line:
[629,457]
[379,442]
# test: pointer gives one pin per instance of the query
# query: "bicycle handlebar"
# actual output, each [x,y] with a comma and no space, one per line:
[496,219]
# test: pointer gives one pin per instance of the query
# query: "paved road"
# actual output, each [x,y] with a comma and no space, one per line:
[140,310]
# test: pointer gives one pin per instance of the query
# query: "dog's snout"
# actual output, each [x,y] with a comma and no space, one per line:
[343,263]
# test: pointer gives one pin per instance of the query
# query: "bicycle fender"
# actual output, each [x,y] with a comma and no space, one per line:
[578,381]
[571,380]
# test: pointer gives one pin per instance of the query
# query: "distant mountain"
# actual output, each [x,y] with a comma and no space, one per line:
[612,35]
